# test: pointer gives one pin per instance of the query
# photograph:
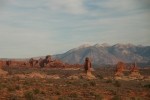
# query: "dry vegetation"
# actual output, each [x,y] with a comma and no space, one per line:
[35,87]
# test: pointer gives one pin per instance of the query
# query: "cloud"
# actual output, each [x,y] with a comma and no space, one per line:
[68,6]
[39,27]
[118,5]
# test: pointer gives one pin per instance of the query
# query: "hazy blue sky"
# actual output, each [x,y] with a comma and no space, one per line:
[40,27]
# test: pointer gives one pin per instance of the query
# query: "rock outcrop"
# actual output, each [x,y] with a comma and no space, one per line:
[120,68]
[2,72]
[134,72]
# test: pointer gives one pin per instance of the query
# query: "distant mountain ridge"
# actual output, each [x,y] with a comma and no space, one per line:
[103,54]
[107,54]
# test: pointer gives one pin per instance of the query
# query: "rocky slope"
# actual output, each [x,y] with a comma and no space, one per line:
[106,54]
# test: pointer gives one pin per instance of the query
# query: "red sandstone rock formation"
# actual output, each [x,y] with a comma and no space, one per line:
[120,67]
[2,72]
[87,65]
[34,63]
[47,62]
[15,63]
[87,68]
[1,64]
[134,71]
[134,68]
[57,64]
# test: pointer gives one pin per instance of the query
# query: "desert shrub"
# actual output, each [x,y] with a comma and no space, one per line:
[29,95]
[116,97]
[1,86]
[147,86]
[43,92]
[73,95]
[36,91]
[49,81]
[69,82]
[109,81]
[113,91]
[92,93]
[92,83]
[85,85]
[16,78]
[135,98]
[100,76]
[10,88]
[13,97]
[98,97]
[28,82]
[117,84]
[57,93]
[18,87]
[64,98]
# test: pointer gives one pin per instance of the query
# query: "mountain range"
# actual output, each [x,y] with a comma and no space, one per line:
[102,54]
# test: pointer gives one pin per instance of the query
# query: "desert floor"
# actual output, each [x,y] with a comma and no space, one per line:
[68,84]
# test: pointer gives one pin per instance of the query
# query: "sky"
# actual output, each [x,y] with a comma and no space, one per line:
[30,28]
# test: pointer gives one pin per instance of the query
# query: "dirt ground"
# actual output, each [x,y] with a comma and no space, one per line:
[68,84]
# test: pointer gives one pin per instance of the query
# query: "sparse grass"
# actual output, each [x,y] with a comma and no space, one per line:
[63,98]
[136,98]
[117,84]
[85,85]
[98,97]
[17,87]
[2,86]
[66,89]
[73,95]
[92,83]
[99,76]
[13,97]
[147,86]
[36,91]
[29,95]
[116,97]
[57,93]
[10,88]
[109,81]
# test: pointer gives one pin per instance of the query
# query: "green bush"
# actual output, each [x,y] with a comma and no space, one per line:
[109,81]
[117,84]
[116,97]
[73,95]
[36,91]
[147,86]
[98,97]
[13,97]
[64,98]
[57,93]
[10,88]
[29,95]
[92,83]
[85,85]
[18,87]
[1,86]
[135,98]
[100,76]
